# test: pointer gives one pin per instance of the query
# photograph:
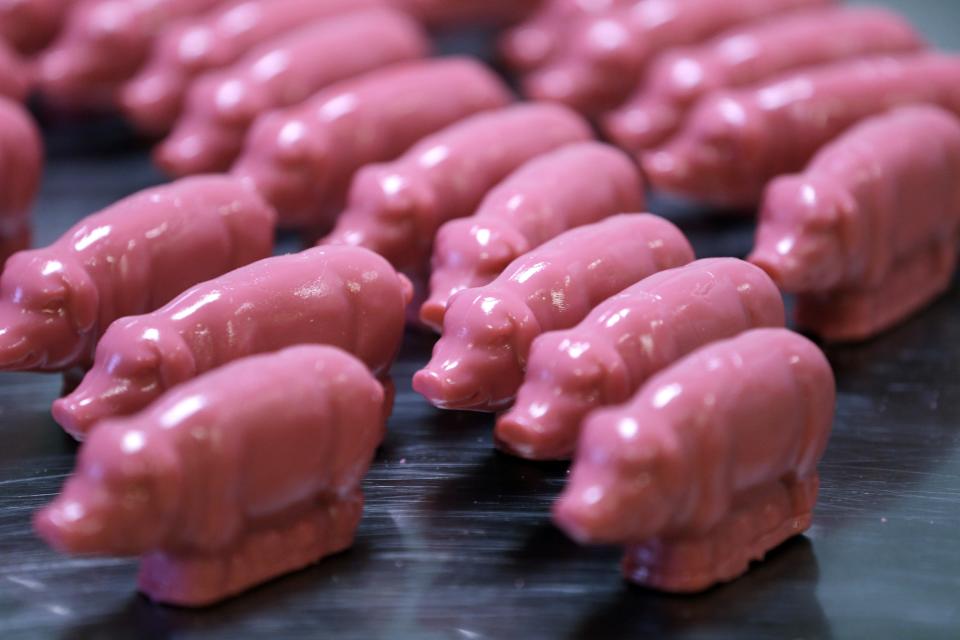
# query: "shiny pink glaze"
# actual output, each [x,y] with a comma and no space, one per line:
[606,358]
[302,159]
[479,362]
[30,25]
[15,77]
[576,185]
[21,163]
[221,105]
[154,98]
[752,54]
[396,209]
[695,446]
[342,296]
[103,44]
[134,256]
[246,473]
[452,13]
[531,43]
[603,58]
[734,142]
[880,197]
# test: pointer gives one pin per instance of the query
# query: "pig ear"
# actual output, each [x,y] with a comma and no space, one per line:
[82,298]
[175,362]
[504,246]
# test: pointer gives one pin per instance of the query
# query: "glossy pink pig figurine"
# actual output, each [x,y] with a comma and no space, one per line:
[396,209]
[130,258]
[710,466]
[154,98]
[244,474]
[576,185]
[30,25]
[342,296]
[734,142]
[530,44]
[21,163]
[752,54]
[479,362]
[221,105]
[606,358]
[103,44]
[302,159]
[605,57]
[869,233]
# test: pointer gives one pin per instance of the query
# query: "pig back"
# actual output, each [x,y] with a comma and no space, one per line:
[564,279]
[745,412]
[149,247]
[342,296]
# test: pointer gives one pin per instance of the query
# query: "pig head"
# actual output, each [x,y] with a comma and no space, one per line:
[136,361]
[800,236]
[479,361]
[49,311]
[122,499]
[392,213]
[469,252]
[580,374]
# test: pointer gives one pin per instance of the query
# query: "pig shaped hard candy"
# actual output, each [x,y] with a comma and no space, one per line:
[604,57]
[734,142]
[21,163]
[396,209]
[130,258]
[869,233]
[103,44]
[710,466]
[244,474]
[479,362]
[459,13]
[30,25]
[530,44]
[752,54]
[576,185]
[154,98]
[302,159]
[15,78]
[347,297]
[606,358]
[221,105]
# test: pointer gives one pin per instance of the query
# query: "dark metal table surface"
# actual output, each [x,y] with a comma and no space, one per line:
[457,542]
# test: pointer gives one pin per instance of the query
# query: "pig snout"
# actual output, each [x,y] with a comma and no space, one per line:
[590,510]
[482,378]
[102,395]
[152,102]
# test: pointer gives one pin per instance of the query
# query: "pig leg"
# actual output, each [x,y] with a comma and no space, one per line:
[850,315]
[197,580]
[760,520]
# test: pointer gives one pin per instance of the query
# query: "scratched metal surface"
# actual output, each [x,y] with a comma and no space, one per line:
[456,542]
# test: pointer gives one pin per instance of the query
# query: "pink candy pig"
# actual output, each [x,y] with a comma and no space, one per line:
[103,44]
[576,185]
[154,98]
[869,233]
[342,296]
[130,258]
[221,105]
[239,476]
[606,358]
[479,362]
[752,54]
[30,25]
[710,466]
[21,163]
[396,209]
[734,142]
[604,58]
[302,159]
